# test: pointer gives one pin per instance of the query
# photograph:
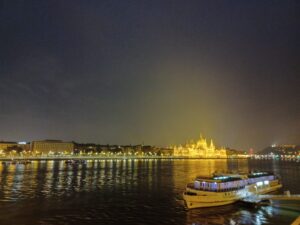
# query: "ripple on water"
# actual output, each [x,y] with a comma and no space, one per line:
[126,192]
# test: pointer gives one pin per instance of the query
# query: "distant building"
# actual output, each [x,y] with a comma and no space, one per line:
[5,144]
[286,149]
[52,147]
[10,145]
[165,151]
[200,148]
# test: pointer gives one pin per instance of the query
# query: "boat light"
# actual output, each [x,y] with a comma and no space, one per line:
[260,183]
[266,182]
[220,178]
[259,173]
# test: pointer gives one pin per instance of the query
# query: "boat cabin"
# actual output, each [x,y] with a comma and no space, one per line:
[219,183]
[261,177]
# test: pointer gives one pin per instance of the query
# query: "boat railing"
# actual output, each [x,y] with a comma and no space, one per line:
[263,178]
[192,186]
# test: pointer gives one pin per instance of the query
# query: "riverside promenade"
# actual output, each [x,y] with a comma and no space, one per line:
[97,157]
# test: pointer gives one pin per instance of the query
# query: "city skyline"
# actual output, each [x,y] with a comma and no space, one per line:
[150,72]
[187,142]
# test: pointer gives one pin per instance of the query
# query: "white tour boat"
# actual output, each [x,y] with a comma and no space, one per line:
[224,189]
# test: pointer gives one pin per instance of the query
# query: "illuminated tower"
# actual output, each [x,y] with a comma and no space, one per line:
[211,149]
[212,146]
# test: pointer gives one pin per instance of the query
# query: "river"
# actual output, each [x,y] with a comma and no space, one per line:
[136,191]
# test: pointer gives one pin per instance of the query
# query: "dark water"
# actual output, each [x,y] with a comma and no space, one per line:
[129,192]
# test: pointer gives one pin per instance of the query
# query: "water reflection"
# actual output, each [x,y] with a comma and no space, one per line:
[131,191]
[55,178]
[230,214]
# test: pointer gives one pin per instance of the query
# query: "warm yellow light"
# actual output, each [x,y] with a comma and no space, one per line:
[200,148]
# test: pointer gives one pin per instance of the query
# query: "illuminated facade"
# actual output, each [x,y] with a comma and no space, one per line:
[201,149]
[6,145]
[52,147]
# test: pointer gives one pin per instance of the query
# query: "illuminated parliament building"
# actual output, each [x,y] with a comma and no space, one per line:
[201,149]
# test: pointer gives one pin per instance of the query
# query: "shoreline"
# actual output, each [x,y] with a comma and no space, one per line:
[50,158]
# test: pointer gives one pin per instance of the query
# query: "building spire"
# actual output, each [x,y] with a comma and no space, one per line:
[212,144]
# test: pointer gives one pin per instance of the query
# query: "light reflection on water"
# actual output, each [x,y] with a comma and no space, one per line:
[128,191]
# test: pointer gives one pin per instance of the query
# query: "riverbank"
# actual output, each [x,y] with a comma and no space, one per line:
[72,157]
[118,157]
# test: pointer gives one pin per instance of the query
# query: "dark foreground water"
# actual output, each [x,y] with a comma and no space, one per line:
[129,192]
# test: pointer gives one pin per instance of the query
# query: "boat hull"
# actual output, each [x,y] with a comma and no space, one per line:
[212,199]
[192,203]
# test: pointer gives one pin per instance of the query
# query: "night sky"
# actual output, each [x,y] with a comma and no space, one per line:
[152,72]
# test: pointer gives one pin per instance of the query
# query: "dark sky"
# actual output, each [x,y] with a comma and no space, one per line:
[152,72]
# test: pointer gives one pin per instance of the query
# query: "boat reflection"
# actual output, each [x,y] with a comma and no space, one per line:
[231,214]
